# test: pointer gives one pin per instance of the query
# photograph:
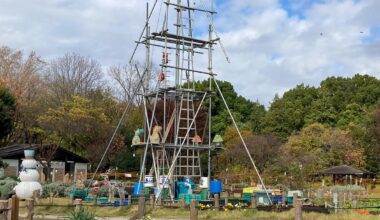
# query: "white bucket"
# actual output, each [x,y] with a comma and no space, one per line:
[162,180]
[204,182]
[149,181]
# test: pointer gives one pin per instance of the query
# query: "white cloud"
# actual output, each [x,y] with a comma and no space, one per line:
[271,49]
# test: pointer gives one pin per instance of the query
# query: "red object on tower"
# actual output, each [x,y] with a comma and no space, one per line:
[161,76]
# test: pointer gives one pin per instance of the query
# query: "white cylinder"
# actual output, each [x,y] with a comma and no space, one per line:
[29,175]
[149,181]
[204,182]
[29,163]
[163,183]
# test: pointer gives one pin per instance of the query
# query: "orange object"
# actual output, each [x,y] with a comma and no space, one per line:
[363,212]
[197,139]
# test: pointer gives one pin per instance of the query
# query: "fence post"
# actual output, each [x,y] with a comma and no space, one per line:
[152,200]
[297,208]
[4,205]
[183,204]
[253,200]
[193,210]
[95,201]
[36,196]
[78,204]
[29,205]
[129,199]
[14,208]
[283,198]
[340,201]
[216,201]
[51,196]
[141,207]
[355,201]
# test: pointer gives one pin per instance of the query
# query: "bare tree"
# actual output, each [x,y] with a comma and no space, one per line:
[127,79]
[73,74]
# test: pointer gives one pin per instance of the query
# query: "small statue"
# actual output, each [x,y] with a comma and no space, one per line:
[136,138]
[155,138]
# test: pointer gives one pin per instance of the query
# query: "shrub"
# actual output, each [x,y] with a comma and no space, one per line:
[82,214]
[6,187]
[56,188]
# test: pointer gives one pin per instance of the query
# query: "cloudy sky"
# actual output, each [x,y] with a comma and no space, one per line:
[273,44]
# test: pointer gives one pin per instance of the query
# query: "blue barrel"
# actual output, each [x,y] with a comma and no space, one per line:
[215,186]
[116,203]
[138,188]
[126,202]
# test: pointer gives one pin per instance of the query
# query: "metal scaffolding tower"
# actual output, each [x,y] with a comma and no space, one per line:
[177,153]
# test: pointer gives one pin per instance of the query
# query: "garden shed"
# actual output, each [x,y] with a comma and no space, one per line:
[65,166]
[346,173]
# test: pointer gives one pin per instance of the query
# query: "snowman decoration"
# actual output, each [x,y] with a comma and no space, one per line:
[28,176]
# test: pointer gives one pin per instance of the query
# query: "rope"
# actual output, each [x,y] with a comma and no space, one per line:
[117,127]
[241,137]
[142,32]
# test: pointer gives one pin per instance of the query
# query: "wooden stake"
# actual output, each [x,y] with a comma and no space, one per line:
[78,205]
[29,205]
[216,201]
[15,208]
[3,207]
[193,210]
[253,200]
[183,204]
[297,209]
[141,207]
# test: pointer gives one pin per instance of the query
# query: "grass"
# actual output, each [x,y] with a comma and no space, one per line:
[259,215]
[62,207]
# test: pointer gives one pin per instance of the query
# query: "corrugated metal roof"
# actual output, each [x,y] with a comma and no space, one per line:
[17,150]
[344,170]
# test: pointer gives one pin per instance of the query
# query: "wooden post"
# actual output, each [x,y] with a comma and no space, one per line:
[355,201]
[78,204]
[14,206]
[29,205]
[159,201]
[295,197]
[340,201]
[283,198]
[4,205]
[297,208]
[51,196]
[216,201]
[225,201]
[129,199]
[10,209]
[95,201]
[193,210]
[141,207]
[152,200]
[183,204]
[253,200]
[36,196]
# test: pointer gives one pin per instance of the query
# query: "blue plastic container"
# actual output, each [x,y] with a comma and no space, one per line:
[215,186]
[126,202]
[138,189]
[116,203]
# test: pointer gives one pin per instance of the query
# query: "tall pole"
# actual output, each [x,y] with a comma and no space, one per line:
[210,99]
